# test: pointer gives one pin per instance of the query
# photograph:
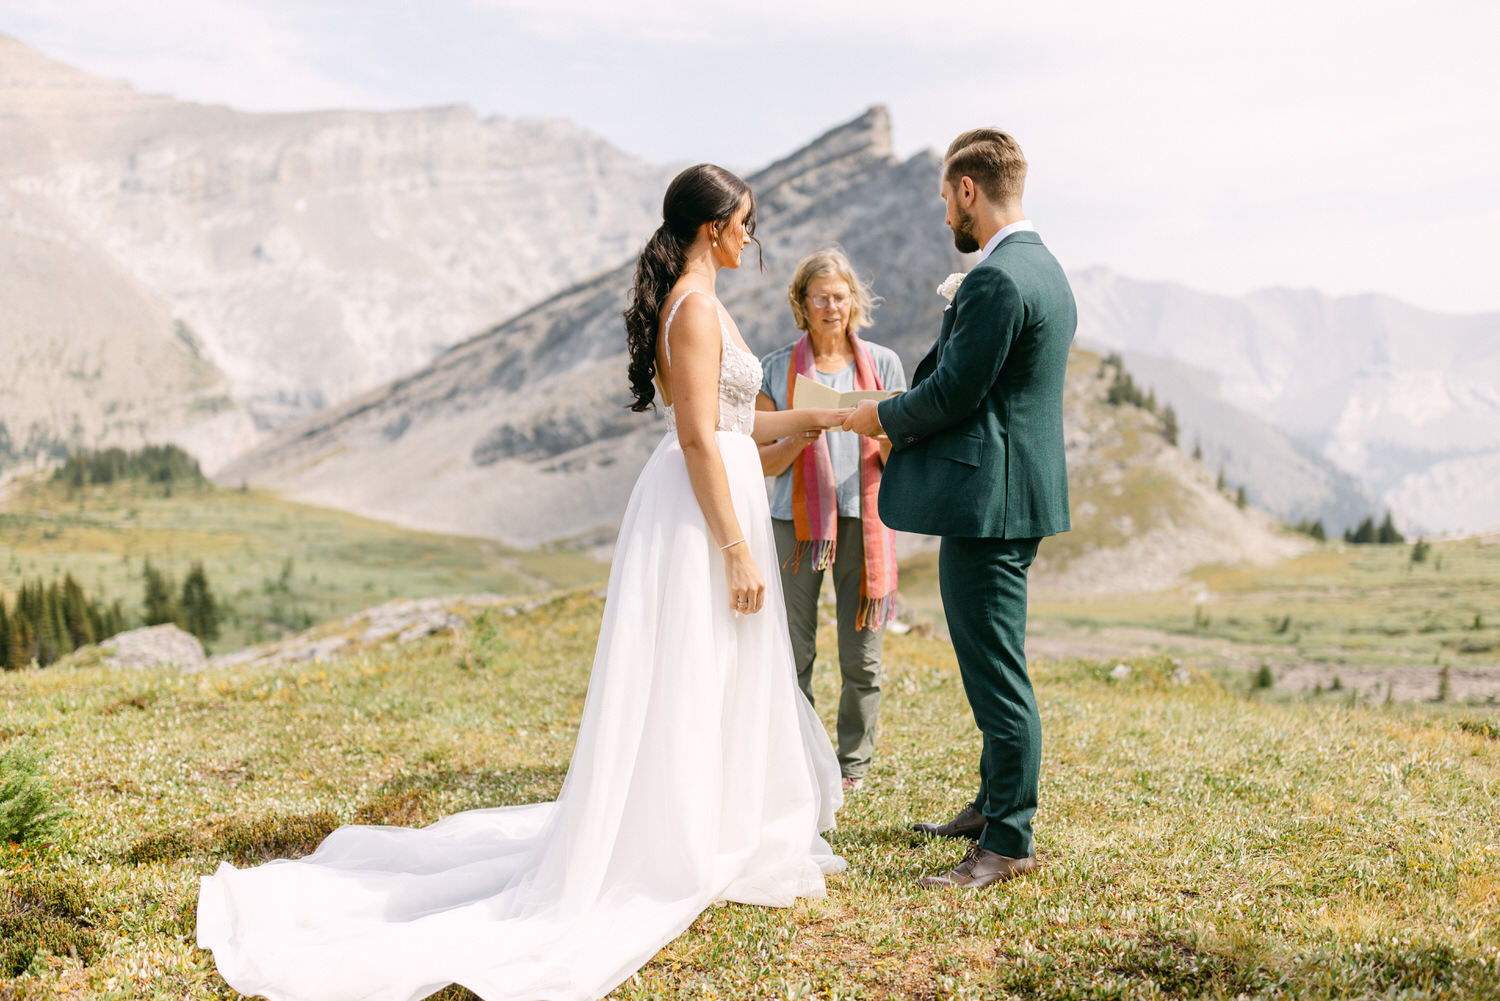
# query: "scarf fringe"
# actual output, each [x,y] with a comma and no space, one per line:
[874,613]
[822,554]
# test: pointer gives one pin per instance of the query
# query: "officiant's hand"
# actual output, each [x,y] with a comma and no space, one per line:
[865,420]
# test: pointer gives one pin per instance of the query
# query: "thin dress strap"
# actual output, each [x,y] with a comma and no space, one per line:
[672,314]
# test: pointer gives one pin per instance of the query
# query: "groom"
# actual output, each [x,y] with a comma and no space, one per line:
[977,458]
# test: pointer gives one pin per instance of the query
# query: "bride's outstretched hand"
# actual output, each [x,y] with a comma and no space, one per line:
[829,418]
[747,589]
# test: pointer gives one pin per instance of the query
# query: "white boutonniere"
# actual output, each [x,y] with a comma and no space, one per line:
[950,285]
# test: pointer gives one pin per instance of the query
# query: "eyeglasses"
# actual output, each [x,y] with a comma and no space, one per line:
[824,301]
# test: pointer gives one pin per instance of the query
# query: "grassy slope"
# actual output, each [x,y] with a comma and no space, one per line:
[1199,844]
[1358,605]
[340,562]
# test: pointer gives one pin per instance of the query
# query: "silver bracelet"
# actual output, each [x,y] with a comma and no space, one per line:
[734,543]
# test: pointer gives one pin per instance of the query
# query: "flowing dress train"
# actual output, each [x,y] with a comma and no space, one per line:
[701,773]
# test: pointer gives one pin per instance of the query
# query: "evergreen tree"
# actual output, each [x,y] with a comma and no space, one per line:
[75,609]
[1197,449]
[200,613]
[52,629]
[4,636]
[1387,533]
[1222,482]
[1169,425]
[1361,535]
[159,605]
[1239,498]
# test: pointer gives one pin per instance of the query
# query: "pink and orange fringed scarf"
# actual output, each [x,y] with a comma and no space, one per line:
[815,506]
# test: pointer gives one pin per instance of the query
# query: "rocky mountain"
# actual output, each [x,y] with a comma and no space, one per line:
[191,273]
[521,433]
[1405,400]
[1280,473]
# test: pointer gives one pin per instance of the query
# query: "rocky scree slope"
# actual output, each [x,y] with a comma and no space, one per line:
[522,433]
[1403,400]
[191,273]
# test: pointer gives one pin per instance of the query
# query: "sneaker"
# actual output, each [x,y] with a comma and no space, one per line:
[852,784]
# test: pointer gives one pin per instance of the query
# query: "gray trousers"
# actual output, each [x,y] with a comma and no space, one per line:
[859,649]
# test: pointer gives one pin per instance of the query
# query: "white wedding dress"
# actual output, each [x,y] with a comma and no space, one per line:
[700,774]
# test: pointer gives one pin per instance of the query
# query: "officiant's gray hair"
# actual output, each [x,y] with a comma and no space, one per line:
[831,261]
[992,160]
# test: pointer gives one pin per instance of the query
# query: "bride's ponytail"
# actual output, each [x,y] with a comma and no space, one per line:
[700,194]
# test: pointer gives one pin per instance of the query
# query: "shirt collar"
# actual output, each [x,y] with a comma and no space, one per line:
[1015,227]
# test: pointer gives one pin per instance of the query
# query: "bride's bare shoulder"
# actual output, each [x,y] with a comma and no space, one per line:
[695,321]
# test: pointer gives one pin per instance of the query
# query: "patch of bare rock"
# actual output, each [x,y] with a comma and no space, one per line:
[154,646]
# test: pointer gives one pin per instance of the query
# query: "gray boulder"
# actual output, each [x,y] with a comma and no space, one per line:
[154,646]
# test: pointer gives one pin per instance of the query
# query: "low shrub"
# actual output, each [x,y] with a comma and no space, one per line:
[1480,729]
[29,811]
[42,912]
[163,846]
[249,841]
[398,808]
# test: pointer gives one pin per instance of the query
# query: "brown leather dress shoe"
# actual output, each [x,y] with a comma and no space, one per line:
[967,824]
[980,868]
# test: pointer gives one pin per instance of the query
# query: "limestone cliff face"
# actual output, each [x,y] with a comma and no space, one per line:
[240,271]
[521,433]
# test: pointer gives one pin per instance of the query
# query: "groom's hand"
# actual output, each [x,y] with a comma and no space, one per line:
[865,420]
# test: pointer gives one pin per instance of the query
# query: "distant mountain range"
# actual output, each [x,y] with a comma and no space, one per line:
[1405,401]
[294,298]
[192,272]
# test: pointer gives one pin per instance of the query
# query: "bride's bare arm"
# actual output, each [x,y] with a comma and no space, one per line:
[773,424]
[694,343]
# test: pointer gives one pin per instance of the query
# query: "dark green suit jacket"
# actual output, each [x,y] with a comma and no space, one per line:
[977,442]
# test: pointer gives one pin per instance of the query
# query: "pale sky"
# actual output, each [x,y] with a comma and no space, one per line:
[1349,147]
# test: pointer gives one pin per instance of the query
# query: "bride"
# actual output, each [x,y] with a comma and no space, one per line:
[700,773]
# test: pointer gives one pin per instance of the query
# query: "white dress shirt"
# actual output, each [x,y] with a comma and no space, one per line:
[1015,227]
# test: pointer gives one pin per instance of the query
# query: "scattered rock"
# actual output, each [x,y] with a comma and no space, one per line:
[1181,675]
[154,646]
[400,621]
[1120,672]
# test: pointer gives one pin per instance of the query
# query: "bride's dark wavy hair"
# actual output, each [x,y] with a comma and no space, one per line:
[700,194]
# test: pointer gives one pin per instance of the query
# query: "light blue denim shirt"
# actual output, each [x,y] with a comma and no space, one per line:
[843,446]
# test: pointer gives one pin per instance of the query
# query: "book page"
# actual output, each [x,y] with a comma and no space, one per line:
[809,393]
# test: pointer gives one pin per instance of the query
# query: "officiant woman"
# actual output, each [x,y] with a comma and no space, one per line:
[824,508]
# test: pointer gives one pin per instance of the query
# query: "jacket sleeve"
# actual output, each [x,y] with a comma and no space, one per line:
[988,319]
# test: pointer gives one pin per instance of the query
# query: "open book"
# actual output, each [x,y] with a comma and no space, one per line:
[809,393]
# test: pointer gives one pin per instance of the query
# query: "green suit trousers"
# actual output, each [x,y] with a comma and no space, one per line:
[983,584]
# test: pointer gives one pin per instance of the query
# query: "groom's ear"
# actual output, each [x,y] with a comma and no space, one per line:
[966,189]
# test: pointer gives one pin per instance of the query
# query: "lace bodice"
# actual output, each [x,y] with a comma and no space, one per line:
[739,378]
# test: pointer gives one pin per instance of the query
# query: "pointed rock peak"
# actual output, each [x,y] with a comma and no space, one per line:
[23,66]
[866,137]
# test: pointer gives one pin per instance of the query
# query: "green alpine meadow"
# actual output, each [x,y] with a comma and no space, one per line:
[1197,841]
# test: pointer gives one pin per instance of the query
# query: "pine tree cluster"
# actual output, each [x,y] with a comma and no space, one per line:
[1366,532]
[1124,389]
[194,608]
[152,463]
[1314,529]
[48,621]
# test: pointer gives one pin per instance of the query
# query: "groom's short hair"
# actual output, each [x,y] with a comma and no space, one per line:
[991,159]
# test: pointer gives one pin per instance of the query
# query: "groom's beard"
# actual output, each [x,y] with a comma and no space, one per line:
[964,237]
